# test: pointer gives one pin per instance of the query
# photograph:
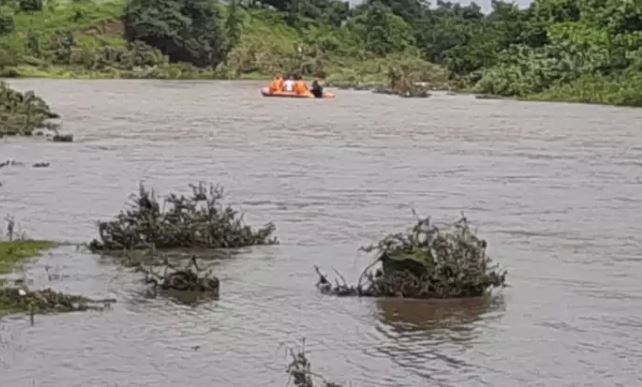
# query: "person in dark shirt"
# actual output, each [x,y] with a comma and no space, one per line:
[317,89]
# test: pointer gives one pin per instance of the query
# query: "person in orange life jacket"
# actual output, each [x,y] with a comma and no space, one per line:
[300,87]
[277,84]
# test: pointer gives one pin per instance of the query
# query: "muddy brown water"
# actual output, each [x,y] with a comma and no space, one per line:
[556,189]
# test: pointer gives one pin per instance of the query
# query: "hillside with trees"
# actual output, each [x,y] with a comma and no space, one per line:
[573,50]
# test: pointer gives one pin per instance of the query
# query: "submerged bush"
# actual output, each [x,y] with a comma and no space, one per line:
[22,113]
[426,262]
[197,220]
[300,371]
[15,300]
[189,278]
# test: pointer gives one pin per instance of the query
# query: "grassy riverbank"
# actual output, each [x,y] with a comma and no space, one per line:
[15,252]
[12,254]
[554,50]
[19,299]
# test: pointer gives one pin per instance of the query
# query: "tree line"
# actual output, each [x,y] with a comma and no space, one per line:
[588,49]
[508,51]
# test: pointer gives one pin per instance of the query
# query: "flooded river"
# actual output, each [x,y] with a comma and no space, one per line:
[556,189]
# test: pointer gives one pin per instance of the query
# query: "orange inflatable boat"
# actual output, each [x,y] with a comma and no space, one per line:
[290,94]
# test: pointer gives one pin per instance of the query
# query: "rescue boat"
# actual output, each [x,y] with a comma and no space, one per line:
[265,91]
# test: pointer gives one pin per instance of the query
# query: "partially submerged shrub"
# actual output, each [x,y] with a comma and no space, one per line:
[189,278]
[197,220]
[45,301]
[426,262]
[300,370]
[22,113]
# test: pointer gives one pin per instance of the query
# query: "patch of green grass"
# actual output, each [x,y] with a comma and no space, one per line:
[13,253]
[70,16]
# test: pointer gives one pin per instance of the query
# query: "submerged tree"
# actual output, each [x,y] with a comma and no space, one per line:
[300,371]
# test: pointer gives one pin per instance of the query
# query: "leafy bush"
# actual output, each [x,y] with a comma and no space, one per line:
[426,262]
[621,89]
[198,220]
[60,47]
[135,54]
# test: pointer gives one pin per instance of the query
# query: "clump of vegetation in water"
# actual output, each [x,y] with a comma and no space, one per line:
[300,371]
[189,278]
[394,74]
[198,220]
[425,262]
[403,83]
[17,300]
[22,113]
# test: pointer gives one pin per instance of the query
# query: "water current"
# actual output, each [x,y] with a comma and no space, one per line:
[556,189]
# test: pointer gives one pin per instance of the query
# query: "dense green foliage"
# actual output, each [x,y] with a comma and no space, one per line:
[7,24]
[581,50]
[30,5]
[185,30]
[562,49]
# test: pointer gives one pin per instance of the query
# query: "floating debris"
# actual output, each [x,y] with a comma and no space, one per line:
[190,278]
[18,299]
[195,221]
[10,163]
[424,262]
[63,138]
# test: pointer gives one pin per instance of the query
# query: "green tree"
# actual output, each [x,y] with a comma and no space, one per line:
[381,30]
[30,5]
[409,10]
[7,24]
[557,11]
[232,24]
[184,30]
